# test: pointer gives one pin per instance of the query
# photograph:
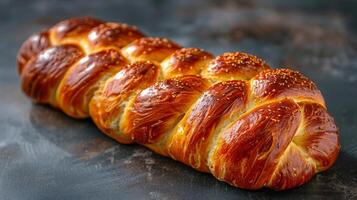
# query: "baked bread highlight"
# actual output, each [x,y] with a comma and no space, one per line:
[231,115]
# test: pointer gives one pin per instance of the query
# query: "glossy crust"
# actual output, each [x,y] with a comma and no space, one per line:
[42,75]
[192,137]
[150,48]
[186,61]
[113,34]
[74,28]
[31,47]
[283,83]
[107,105]
[231,115]
[235,65]
[256,141]
[83,79]
[157,109]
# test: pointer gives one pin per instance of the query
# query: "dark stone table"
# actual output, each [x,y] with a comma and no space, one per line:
[46,155]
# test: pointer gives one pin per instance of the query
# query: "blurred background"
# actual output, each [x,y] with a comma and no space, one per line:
[44,154]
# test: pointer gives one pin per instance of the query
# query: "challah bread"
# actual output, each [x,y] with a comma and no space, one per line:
[231,115]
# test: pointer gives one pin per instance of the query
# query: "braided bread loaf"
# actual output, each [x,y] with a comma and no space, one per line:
[232,115]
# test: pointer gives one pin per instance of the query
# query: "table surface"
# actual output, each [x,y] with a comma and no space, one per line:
[46,155]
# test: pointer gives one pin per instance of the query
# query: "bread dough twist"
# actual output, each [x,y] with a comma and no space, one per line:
[231,115]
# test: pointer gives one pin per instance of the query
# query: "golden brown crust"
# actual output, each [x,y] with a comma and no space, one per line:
[106,107]
[293,170]
[282,83]
[190,143]
[314,148]
[73,28]
[233,116]
[80,83]
[255,141]
[150,48]
[113,34]
[158,108]
[31,47]
[41,76]
[319,135]
[235,65]
[186,61]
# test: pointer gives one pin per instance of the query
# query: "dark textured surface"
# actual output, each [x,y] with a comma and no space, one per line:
[47,155]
